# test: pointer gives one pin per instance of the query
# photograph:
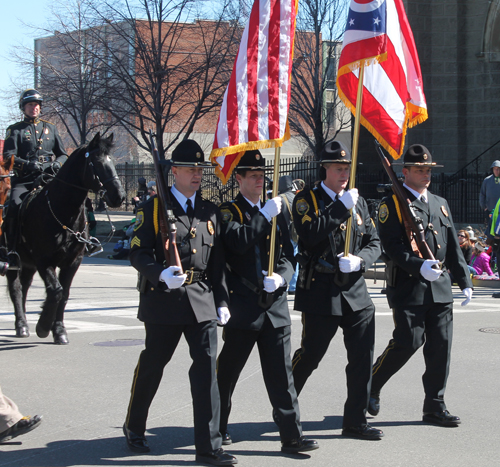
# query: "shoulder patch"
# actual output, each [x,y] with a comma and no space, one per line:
[7,134]
[302,206]
[383,213]
[139,220]
[226,215]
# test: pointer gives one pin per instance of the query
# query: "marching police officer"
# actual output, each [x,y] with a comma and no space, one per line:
[259,308]
[331,291]
[173,304]
[419,290]
[36,146]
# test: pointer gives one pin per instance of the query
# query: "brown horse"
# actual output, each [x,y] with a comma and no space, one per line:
[5,168]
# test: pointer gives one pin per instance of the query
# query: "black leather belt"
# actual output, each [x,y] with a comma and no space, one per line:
[194,276]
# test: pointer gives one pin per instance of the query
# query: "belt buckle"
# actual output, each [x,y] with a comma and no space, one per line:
[190,275]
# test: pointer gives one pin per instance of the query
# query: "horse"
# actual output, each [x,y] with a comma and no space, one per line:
[5,168]
[53,234]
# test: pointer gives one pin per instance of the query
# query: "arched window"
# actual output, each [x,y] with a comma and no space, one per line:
[491,40]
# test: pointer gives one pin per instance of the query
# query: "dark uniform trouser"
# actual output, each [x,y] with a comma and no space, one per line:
[274,351]
[359,338]
[161,341]
[432,324]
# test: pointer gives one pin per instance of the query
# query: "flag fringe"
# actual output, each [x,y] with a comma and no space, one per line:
[350,67]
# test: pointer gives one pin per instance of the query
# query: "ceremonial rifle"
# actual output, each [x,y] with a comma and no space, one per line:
[412,223]
[168,229]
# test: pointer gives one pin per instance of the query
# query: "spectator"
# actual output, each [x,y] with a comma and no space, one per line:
[490,193]
[142,193]
[466,246]
[481,260]
[12,422]
[151,189]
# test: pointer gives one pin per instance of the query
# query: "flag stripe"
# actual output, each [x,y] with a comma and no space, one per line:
[252,69]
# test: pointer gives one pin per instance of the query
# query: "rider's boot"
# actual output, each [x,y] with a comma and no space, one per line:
[9,239]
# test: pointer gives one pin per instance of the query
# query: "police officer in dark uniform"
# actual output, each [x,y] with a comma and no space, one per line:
[259,308]
[36,146]
[331,291]
[173,304]
[418,290]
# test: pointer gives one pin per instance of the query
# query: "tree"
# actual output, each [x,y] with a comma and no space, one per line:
[167,74]
[317,114]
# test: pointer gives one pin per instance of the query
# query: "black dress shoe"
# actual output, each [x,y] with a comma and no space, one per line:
[136,443]
[217,457]
[443,418]
[374,405]
[362,432]
[299,445]
[226,439]
[23,426]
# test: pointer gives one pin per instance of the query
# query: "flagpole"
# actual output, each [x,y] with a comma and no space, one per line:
[275,193]
[354,155]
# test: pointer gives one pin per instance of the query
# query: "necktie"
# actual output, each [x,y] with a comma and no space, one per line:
[422,198]
[190,210]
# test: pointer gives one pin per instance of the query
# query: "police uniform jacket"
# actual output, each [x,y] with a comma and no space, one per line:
[406,286]
[32,140]
[246,236]
[316,215]
[200,249]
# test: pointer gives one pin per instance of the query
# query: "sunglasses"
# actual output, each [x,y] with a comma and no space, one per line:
[460,235]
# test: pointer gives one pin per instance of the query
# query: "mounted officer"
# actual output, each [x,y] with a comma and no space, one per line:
[37,148]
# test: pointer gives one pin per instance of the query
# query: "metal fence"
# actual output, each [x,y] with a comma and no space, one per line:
[461,189]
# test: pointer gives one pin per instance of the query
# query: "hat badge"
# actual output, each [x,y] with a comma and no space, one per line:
[257,156]
[425,156]
[198,155]
[342,153]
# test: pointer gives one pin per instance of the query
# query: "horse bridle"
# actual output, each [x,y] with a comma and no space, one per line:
[89,155]
[2,177]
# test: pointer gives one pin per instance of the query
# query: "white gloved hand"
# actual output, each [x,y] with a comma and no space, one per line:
[468,295]
[272,208]
[349,263]
[223,315]
[273,282]
[172,280]
[350,198]
[428,272]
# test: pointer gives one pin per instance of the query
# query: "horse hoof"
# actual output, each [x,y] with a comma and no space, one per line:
[59,333]
[41,331]
[22,331]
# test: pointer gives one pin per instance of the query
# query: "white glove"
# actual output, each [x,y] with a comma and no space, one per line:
[468,295]
[350,198]
[273,282]
[349,263]
[272,208]
[173,281]
[428,272]
[223,315]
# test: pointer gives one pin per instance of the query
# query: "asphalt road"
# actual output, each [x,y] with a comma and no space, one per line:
[82,390]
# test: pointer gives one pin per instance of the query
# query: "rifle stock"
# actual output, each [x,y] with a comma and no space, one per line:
[412,223]
[168,229]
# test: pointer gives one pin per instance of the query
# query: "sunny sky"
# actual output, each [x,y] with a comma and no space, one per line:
[13,33]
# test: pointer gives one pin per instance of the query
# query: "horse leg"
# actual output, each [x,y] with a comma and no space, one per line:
[49,308]
[19,283]
[66,276]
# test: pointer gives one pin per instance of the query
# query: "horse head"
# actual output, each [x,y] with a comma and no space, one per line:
[104,177]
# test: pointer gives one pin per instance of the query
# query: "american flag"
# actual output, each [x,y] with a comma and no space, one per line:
[379,36]
[254,112]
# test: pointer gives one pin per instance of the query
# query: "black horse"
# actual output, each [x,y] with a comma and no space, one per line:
[53,234]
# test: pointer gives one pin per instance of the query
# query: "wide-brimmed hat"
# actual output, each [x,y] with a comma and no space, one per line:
[252,160]
[417,155]
[336,152]
[188,153]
